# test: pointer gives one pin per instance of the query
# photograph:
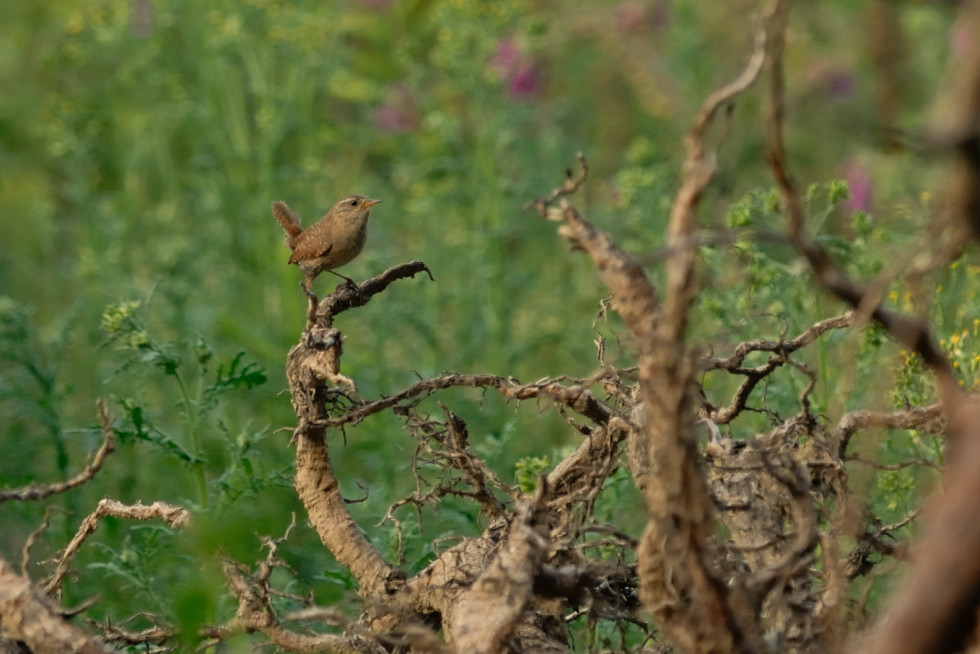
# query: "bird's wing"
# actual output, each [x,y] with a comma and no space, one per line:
[308,249]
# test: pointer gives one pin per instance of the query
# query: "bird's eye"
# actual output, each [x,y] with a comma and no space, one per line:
[353,203]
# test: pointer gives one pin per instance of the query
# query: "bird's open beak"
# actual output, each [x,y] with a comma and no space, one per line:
[370,203]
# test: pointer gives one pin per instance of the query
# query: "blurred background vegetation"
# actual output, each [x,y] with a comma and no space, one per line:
[142,142]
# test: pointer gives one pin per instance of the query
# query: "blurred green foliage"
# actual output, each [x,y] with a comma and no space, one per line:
[142,142]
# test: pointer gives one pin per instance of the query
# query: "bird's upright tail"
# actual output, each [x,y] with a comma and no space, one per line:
[289,222]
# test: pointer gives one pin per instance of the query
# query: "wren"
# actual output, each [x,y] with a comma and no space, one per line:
[329,243]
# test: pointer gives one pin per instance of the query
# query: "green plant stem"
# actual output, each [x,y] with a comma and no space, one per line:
[192,436]
[937,448]
[202,485]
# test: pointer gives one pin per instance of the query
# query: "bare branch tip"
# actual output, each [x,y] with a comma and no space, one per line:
[573,182]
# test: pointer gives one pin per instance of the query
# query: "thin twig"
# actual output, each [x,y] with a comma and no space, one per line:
[176,516]
[350,296]
[577,398]
[573,182]
[39,492]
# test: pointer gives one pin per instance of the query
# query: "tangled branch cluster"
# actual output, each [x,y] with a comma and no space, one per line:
[744,546]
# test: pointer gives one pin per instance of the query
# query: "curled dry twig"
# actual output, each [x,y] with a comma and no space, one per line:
[255,611]
[255,614]
[444,447]
[576,397]
[781,350]
[573,182]
[39,492]
[176,516]
[925,418]
[350,297]
[118,634]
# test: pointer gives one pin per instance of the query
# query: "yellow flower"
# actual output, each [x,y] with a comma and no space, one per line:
[75,24]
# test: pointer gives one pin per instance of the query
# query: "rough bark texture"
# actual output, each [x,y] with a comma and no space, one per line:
[749,545]
[26,615]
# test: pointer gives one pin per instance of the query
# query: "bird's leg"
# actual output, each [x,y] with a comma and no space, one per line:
[307,286]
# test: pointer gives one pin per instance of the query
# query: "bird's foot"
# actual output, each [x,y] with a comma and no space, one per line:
[349,283]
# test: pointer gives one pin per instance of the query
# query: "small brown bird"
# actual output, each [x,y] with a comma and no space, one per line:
[330,242]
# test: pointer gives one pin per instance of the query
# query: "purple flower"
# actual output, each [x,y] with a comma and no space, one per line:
[826,77]
[841,85]
[637,16]
[506,57]
[859,186]
[398,112]
[524,81]
[518,71]
[962,39]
